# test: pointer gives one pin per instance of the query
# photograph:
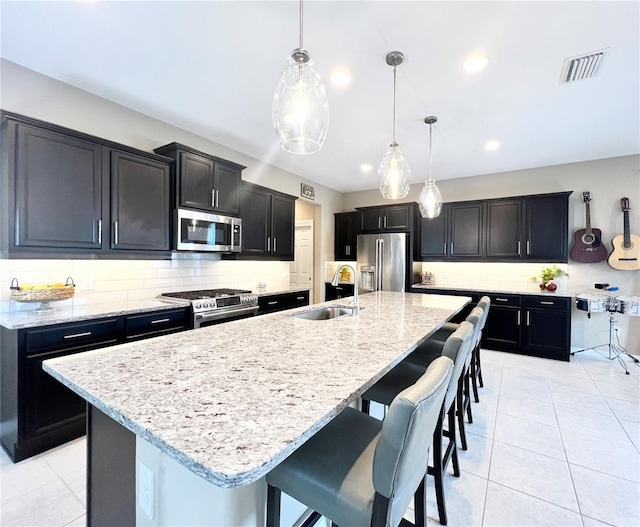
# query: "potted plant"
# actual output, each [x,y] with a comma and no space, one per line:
[547,275]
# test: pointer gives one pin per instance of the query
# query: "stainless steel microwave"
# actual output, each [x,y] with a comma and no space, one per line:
[202,231]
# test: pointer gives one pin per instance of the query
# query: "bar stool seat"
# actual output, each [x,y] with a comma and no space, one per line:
[360,471]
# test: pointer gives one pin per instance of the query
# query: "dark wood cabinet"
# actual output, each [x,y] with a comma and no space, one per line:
[282,301]
[503,328]
[335,292]
[58,189]
[345,236]
[37,411]
[392,218]
[519,229]
[73,195]
[140,203]
[268,223]
[547,326]
[503,229]
[205,182]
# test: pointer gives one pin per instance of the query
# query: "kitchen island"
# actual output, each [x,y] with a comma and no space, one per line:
[209,412]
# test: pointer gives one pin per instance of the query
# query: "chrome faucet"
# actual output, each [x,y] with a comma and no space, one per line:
[334,282]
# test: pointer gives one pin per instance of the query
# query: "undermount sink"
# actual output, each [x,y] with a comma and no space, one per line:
[325,313]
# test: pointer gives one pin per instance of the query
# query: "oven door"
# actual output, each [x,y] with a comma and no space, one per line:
[202,320]
[201,231]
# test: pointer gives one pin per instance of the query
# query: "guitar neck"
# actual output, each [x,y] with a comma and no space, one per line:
[588,229]
[627,231]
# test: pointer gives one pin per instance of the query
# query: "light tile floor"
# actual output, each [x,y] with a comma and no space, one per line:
[552,444]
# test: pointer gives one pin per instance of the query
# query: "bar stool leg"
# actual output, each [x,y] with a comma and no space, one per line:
[460,407]
[475,373]
[467,396]
[437,470]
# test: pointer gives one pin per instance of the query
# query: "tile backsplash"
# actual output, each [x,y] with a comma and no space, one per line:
[104,281]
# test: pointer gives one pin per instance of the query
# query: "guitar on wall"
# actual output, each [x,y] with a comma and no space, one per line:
[587,243]
[626,247]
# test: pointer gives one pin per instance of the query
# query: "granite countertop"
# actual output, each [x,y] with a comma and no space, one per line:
[231,401]
[532,289]
[61,315]
[273,291]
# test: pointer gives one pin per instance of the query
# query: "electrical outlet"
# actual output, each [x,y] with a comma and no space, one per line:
[145,489]
[86,284]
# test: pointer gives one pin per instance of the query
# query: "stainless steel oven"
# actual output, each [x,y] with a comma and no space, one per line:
[215,306]
[201,231]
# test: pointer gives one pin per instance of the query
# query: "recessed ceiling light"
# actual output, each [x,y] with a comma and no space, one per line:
[475,62]
[492,145]
[340,77]
[366,167]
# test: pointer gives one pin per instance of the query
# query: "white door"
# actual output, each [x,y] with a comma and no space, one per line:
[301,272]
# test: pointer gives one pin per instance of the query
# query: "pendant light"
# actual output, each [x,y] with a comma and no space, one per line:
[300,109]
[393,174]
[430,198]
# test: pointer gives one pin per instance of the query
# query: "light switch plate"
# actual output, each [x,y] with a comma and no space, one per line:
[145,489]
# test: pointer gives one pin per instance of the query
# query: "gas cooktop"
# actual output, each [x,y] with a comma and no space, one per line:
[206,293]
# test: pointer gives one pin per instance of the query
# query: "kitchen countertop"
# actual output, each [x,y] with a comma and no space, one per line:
[532,289]
[61,315]
[231,401]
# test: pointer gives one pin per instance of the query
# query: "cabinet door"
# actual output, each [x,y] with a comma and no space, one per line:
[226,184]
[282,227]
[344,236]
[140,204]
[502,329]
[397,218]
[157,323]
[272,303]
[371,219]
[433,236]
[503,229]
[58,191]
[256,224]
[546,228]
[546,333]
[299,299]
[196,176]
[465,228]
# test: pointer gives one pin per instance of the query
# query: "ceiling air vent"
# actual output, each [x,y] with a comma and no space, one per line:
[583,66]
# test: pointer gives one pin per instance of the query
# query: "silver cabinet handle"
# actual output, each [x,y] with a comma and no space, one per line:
[76,335]
[268,243]
[518,318]
[348,250]
[275,244]
[528,247]
[502,299]
[528,318]
[378,222]
[213,197]
[217,198]
[546,303]
[115,233]
[385,222]
[99,232]
[161,320]
[272,303]
[451,248]
[519,248]
[299,298]
[445,248]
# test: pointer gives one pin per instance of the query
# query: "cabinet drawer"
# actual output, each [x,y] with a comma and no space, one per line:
[76,336]
[505,300]
[299,299]
[271,303]
[545,302]
[157,323]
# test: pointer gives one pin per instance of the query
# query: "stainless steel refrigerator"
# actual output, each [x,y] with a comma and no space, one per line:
[382,262]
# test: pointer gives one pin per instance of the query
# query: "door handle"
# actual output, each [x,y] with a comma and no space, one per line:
[385,222]
[115,233]
[528,247]
[217,198]
[275,244]
[528,318]
[76,335]
[268,243]
[160,320]
[213,197]
[99,232]
[519,253]
[518,318]
[378,222]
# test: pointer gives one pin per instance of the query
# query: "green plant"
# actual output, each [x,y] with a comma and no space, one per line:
[549,273]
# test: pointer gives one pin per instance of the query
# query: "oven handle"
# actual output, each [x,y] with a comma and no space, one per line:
[205,317]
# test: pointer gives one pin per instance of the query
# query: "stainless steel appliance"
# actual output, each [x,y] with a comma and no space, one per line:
[382,262]
[214,306]
[202,231]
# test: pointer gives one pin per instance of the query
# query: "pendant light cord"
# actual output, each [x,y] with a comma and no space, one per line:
[393,137]
[430,151]
[301,16]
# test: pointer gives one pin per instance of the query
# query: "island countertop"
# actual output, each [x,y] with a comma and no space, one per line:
[231,401]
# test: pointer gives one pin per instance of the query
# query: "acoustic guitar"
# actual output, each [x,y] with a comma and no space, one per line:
[587,243]
[626,247]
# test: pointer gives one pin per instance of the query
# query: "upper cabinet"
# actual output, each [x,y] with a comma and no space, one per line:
[391,218]
[524,228]
[345,236]
[205,182]
[74,194]
[268,223]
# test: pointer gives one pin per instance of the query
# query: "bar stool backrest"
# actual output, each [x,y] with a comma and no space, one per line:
[475,318]
[485,304]
[401,456]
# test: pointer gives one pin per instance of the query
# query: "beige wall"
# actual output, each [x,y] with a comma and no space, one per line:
[608,180]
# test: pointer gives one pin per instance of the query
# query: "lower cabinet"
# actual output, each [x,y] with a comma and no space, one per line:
[38,412]
[334,292]
[282,301]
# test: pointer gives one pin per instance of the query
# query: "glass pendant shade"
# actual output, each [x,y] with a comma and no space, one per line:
[430,201]
[394,173]
[300,109]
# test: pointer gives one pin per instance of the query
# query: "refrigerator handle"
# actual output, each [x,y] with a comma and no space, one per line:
[379,270]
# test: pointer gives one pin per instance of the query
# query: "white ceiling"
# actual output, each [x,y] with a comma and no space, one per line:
[211,68]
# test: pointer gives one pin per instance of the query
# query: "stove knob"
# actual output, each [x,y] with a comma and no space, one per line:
[206,305]
[197,306]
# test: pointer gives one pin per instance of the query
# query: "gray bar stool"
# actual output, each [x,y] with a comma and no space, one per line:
[476,366]
[360,471]
[457,347]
